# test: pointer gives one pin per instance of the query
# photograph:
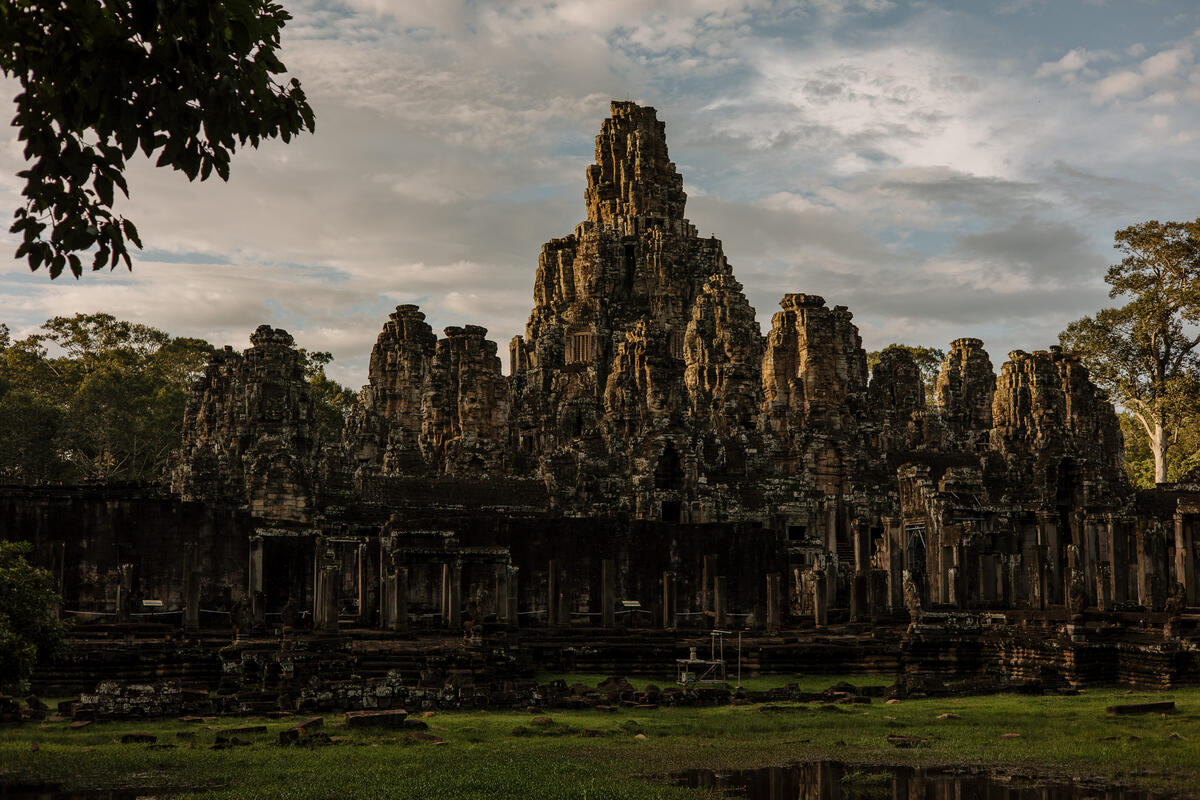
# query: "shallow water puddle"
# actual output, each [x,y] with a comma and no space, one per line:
[20,791]
[834,781]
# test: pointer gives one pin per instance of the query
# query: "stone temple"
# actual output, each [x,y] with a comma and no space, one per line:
[653,460]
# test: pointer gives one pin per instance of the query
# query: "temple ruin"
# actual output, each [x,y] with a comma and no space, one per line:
[653,461]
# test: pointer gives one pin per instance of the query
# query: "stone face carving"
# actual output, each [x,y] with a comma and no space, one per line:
[246,431]
[632,176]
[964,390]
[465,405]
[814,376]
[385,425]
[897,395]
[433,405]
[1058,434]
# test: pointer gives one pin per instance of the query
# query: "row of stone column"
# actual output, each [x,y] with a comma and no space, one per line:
[1074,561]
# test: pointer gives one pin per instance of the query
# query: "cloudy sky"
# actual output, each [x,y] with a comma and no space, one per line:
[943,167]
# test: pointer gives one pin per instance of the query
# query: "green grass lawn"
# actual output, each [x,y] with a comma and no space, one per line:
[501,754]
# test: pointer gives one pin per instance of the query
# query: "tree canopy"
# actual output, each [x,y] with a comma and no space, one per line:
[30,630]
[1144,353]
[190,80]
[92,397]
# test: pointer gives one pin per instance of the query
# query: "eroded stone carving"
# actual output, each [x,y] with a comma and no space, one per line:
[246,431]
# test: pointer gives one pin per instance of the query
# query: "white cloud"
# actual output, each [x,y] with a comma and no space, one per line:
[1161,70]
[1068,66]
[877,153]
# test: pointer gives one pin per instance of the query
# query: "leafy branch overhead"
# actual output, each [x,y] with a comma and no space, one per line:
[188,80]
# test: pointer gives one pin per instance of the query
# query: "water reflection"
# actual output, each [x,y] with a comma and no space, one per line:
[833,781]
[53,792]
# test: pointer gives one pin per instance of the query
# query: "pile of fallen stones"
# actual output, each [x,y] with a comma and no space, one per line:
[389,698]
[12,712]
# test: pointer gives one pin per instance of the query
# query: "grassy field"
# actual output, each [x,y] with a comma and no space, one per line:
[504,754]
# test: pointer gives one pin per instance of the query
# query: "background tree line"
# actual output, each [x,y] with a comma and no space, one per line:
[94,398]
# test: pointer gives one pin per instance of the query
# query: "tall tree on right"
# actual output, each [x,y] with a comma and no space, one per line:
[1145,353]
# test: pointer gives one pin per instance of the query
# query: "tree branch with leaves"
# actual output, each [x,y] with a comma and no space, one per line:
[188,80]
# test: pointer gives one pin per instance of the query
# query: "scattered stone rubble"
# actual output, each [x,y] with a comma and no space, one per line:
[389,703]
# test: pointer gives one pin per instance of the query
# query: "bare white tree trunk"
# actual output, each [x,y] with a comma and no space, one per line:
[1160,442]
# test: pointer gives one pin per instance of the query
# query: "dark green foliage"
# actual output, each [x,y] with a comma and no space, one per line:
[188,80]
[91,397]
[332,400]
[30,631]
[106,405]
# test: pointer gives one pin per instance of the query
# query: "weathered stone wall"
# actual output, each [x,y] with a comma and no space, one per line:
[94,538]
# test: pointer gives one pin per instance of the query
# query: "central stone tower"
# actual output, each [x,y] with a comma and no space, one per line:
[606,375]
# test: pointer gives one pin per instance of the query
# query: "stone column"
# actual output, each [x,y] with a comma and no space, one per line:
[191,600]
[862,546]
[60,570]
[608,592]
[1074,586]
[564,611]
[1092,559]
[1104,600]
[254,581]
[1144,569]
[1185,562]
[708,572]
[1110,553]
[1037,578]
[820,598]
[364,614]
[669,620]
[387,596]
[773,611]
[325,613]
[720,598]
[1015,588]
[124,591]
[454,607]
[552,599]
[877,593]
[859,596]
[1052,569]
[191,589]
[401,586]
[444,603]
[831,514]
[895,538]
[318,562]
[859,586]
[501,594]
[514,618]
[395,599]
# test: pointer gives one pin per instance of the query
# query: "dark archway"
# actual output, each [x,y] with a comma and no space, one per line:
[669,473]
